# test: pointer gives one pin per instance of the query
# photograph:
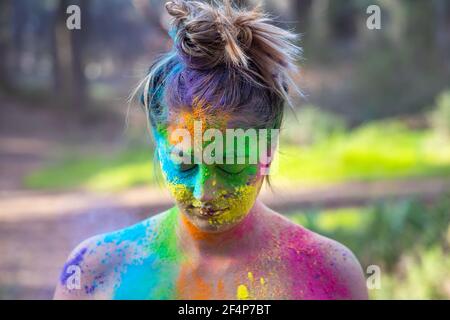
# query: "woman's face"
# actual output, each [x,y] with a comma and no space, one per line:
[213,197]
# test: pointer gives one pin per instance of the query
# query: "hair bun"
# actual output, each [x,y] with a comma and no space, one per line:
[206,36]
[179,10]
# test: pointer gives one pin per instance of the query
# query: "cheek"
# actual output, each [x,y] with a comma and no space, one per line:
[181,193]
[242,197]
[239,202]
[239,199]
[176,183]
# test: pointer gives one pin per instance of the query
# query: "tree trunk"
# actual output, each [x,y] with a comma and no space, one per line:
[5,41]
[67,57]
[318,29]
[78,40]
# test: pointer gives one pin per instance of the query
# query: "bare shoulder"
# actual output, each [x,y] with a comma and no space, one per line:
[333,267]
[90,271]
[76,275]
[344,264]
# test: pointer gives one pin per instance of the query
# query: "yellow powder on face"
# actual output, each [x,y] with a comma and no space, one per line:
[261,280]
[180,192]
[239,205]
[250,276]
[242,292]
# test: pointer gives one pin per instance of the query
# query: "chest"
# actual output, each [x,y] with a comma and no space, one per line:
[218,280]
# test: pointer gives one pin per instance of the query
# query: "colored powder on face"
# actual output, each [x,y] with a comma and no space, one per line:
[250,276]
[236,192]
[75,261]
[242,292]
[239,205]
[200,111]
[261,280]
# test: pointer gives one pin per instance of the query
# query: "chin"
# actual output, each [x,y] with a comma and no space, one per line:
[211,225]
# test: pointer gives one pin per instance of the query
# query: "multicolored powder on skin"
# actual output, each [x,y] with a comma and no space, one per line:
[75,261]
[152,260]
[220,187]
[219,241]
[244,252]
[242,292]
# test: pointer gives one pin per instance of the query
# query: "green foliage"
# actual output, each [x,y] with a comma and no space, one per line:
[311,125]
[440,116]
[422,277]
[404,226]
[97,172]
[377,150]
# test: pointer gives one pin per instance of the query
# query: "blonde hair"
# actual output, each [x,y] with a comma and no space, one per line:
[234,58]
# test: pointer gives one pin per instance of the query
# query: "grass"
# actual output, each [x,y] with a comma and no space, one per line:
[127,168]
[378,150]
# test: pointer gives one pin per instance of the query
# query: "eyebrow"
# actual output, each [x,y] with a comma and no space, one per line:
[225,156]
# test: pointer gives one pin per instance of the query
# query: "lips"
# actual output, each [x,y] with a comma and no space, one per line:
[207,211]
[210,212]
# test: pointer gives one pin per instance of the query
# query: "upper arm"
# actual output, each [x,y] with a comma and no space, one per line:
[349,272]
[78,273]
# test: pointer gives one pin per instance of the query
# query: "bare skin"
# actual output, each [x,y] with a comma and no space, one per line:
[265,256]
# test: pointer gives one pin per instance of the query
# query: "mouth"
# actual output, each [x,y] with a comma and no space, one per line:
[207,212]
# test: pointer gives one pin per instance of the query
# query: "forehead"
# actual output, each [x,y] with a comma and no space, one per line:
[204,116]
[201,112]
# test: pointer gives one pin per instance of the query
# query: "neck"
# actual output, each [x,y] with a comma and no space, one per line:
[232,241]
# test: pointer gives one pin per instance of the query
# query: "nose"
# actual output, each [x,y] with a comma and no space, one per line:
[204,184]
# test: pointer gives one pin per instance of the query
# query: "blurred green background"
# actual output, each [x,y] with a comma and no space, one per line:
[364,157]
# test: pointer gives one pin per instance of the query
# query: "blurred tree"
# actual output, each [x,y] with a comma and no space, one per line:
[418,33]
[78,43]
[19,21]
[67,57]
[301,8]
[151,12]
[342,19]
[316,30]
[442,29]
[5,34]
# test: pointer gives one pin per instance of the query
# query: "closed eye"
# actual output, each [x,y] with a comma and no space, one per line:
[186,167]
[232,169]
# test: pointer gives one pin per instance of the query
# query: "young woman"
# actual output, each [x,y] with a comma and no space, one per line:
[229,69]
